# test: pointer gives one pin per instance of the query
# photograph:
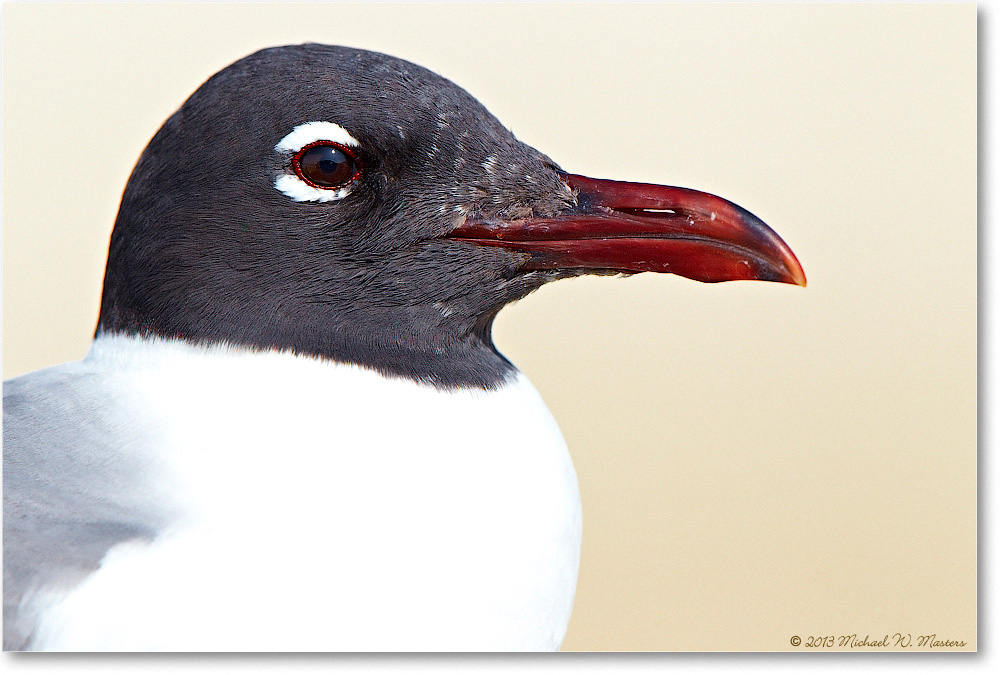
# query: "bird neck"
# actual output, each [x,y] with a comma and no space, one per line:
[388,342]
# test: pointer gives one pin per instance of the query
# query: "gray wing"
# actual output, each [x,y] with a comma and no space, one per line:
[74,484]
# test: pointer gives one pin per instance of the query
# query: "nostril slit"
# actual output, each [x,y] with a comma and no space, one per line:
[650,212]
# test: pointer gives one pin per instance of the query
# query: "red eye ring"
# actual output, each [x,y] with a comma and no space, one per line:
[326,170]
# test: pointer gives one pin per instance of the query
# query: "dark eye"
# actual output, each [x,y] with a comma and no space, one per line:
[325,165]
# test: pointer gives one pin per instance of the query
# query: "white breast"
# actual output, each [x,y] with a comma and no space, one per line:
[324,507]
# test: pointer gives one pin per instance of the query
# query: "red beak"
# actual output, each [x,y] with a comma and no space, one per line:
[637,227]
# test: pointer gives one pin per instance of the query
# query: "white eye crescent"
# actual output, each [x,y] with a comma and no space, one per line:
[311,134]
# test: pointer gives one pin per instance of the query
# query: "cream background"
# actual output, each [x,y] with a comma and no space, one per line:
[756,461]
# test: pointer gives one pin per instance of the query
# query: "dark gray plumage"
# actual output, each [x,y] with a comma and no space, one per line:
[205,248]
[71,491]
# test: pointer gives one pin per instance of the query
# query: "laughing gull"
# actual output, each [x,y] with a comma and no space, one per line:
[293,430]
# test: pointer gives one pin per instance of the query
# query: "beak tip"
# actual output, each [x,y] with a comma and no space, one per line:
[796,274]
[798,277]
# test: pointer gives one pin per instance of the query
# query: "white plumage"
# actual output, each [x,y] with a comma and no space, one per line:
[395,515]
